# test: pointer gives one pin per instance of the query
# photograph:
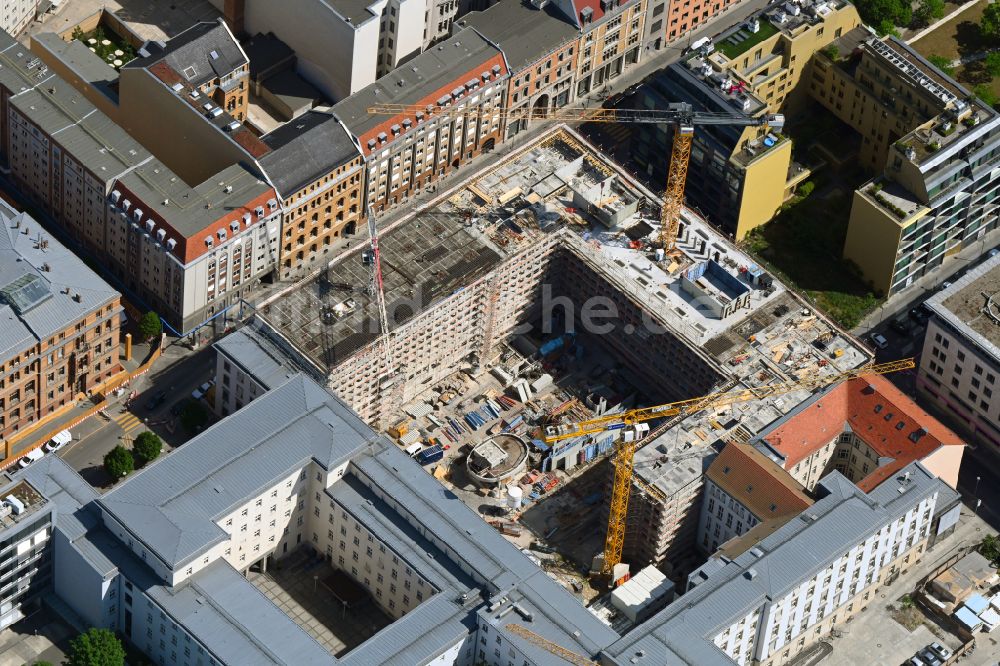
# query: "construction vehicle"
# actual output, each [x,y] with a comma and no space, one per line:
[679,114]
[632,422]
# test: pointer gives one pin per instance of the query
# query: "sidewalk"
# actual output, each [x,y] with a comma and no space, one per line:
[927,284]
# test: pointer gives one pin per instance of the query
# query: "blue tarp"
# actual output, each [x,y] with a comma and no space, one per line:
[540,445]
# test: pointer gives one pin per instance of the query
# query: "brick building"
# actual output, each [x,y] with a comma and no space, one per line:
[60,325]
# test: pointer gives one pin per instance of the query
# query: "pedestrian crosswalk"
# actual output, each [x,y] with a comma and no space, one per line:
[128,422]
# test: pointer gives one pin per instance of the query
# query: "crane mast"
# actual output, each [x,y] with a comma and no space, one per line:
[626,446]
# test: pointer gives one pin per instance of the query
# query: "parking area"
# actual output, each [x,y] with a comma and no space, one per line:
[892,629]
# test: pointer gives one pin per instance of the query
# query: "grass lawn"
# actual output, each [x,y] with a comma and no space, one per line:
[803,245]
[733,50]
[959,36]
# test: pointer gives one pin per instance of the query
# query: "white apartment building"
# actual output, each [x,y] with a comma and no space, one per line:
[960,362]
[341,45]
[25,559]
[811,574]
[15,15]
[162,559]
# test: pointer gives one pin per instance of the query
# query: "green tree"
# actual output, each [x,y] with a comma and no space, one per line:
[119,462]
[832,51]
[150,326]
[147,447]
[885,14]
[989,24]
[927,11]
[983,92]
[806,188]
[942,63]
[194,417]
[96,647]
[992,63]
[990,548]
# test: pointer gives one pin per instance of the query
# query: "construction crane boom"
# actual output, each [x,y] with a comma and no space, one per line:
[626,445]
[680,114]
[549,646]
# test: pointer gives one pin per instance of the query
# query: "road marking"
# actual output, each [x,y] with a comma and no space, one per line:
[128,422]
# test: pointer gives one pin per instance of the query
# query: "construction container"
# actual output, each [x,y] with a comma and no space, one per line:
[507,527]
[430,454]
[409,437]
[541,383]
[399,429]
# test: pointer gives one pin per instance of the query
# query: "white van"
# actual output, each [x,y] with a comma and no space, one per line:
[61,439]
[414,449]
[33,455]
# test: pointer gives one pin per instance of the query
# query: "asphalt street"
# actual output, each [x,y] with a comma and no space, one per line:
[176,373]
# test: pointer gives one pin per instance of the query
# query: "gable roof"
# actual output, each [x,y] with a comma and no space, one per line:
[757,482]
[877,412]
[172,506]
[203,52]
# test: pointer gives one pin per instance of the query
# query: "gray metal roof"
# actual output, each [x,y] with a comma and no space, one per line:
[306,149]
[172,505]
[203,52]
[522,32]
[256,357]
[80,128]
[80,60]
[54,269]
[20,69]
[431,72]
[842,518]
[189,210]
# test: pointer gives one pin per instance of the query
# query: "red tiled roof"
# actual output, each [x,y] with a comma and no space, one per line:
[757,482]
[880,414]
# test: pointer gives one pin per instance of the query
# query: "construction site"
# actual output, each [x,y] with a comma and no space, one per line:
[535,294]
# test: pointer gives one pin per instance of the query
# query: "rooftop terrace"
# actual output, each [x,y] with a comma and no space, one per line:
[972,305]
[26,496]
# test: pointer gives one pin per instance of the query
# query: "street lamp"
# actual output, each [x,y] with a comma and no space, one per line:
[978,504]
[975,493]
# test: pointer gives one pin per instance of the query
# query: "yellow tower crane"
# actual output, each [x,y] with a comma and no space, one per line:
[549,646]
[626,446]
[680,114]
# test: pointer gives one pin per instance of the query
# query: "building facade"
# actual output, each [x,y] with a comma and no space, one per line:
[744,488]
[319,175]
[811,575]
[26,527]
[16,15]
[960,362]
[935,149]
[452,97]
[61,336]
[739,176]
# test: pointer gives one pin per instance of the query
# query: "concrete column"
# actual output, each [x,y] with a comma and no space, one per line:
[128,346]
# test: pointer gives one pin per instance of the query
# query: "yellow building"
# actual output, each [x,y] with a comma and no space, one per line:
[740,176]
[933,145]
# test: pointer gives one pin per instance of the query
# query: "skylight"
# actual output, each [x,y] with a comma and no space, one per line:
[25,293]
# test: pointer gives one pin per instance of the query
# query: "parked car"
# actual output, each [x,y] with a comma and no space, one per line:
[930,658]
[33,455]
[200,392]
[920,314]
[879,340]
[994,252]
[945,284]
[901,325]
[541,548]
[60,440]
[156,400]
[940,650]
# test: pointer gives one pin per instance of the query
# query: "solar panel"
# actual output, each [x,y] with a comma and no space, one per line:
[25,293]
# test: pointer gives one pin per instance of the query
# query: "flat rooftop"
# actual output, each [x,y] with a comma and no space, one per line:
[458,238]
[333,315]
[972,306]
[31,500]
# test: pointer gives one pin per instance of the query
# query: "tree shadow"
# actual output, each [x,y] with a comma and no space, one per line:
[968,38]
[975,74]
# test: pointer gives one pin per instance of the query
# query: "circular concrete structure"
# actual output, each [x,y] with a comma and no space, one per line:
[497,459]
